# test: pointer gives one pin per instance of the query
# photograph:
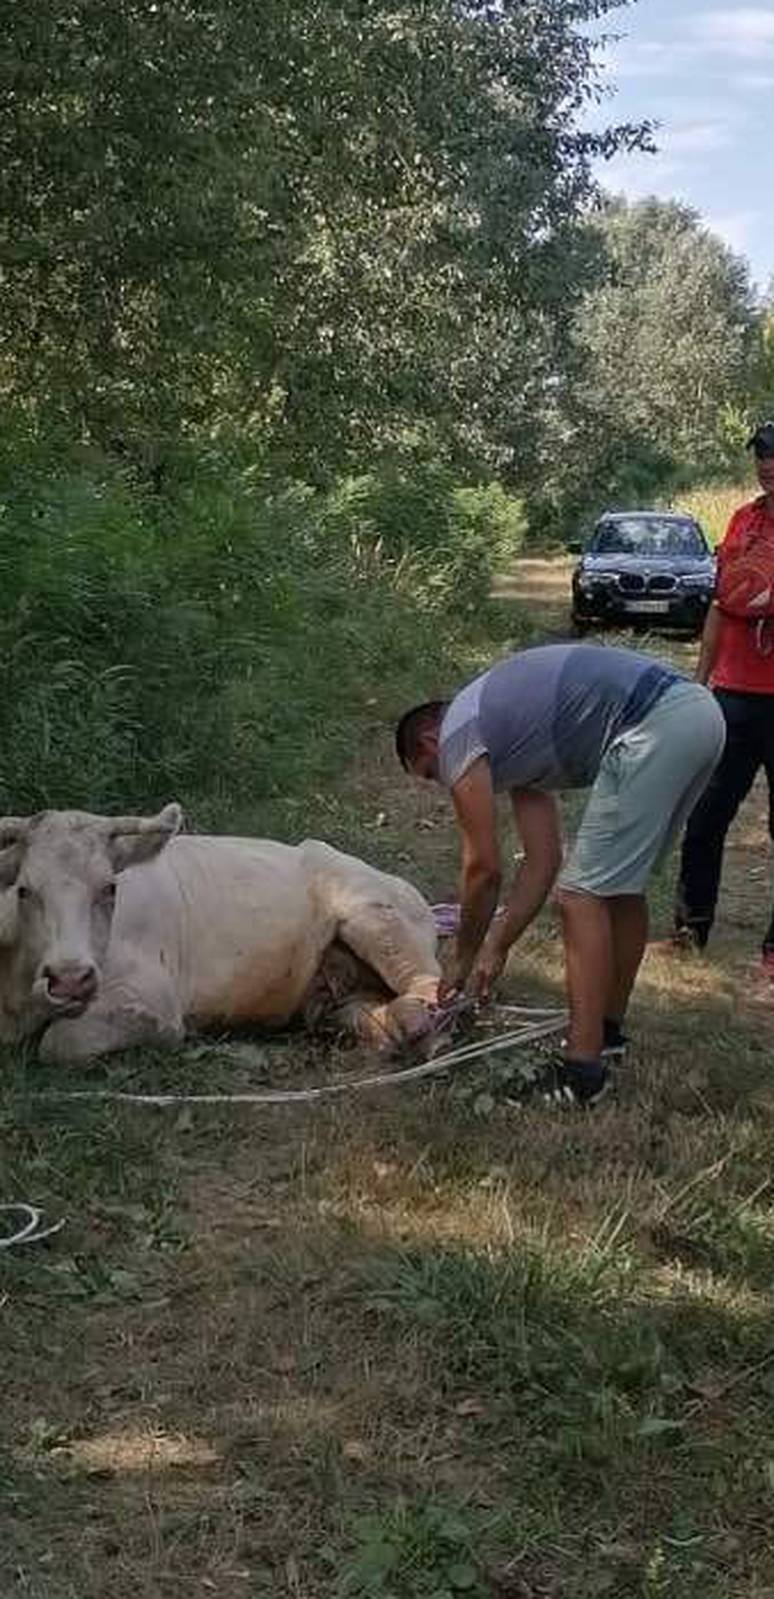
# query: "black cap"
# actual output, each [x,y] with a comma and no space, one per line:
[762,440]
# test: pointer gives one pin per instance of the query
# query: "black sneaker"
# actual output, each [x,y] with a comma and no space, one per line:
[682,940]
[615,1041]
[571,1084]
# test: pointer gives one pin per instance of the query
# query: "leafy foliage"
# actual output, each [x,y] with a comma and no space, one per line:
[218,641]
[660,367]
[764,370]
[420,1551]
[319,226]
[670,334]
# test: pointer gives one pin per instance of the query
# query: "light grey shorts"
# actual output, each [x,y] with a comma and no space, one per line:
[647,785]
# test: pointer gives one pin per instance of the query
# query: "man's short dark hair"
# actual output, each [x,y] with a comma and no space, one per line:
[762,440]
[413,724]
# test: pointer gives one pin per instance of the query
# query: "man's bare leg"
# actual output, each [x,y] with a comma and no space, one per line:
[588,945]
[629,917]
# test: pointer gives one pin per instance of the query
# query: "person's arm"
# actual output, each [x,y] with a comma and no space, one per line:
[537,821]
[710,643]
[474,804]
[713,622]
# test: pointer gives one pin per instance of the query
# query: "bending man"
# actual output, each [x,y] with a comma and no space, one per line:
[556,717]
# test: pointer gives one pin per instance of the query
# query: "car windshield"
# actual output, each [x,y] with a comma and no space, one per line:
[654,536]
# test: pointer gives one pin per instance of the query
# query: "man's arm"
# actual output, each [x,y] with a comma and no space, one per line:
[537,821]
[713,622]
[710,643]
[474,803]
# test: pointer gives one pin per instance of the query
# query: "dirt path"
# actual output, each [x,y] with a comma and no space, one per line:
[540,584]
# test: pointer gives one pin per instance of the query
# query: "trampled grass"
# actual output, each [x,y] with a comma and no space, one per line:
[420,1343]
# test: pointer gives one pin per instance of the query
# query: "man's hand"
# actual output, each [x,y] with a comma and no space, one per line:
[448,991]
[487,970]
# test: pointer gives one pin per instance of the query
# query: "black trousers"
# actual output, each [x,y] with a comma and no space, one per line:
[749,746]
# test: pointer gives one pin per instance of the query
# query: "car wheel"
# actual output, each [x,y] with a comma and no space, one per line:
[581,626]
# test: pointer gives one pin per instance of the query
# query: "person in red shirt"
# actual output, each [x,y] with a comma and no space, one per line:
[736,659]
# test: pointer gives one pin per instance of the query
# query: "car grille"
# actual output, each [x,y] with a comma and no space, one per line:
[635,583]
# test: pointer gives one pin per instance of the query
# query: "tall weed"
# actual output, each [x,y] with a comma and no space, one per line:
[713,504]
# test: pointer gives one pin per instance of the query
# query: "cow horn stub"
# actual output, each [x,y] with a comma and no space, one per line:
[168,821]
[131,840]
[14,830]
[14,833]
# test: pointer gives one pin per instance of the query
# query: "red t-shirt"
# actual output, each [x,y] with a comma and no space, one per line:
[745,657]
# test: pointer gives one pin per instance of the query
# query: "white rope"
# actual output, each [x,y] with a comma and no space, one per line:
[536,1024]
[543,1024]
[31,1230]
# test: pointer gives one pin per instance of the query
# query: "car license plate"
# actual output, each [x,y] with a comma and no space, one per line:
[651,607]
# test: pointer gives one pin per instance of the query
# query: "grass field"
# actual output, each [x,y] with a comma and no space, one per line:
[419,1343]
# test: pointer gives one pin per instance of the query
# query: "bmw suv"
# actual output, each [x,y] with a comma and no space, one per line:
[643,566]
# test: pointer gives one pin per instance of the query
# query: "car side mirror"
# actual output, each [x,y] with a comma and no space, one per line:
[574,547]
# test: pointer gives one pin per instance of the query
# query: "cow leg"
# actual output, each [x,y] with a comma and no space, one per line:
[338,978]
[399,948]
[401,951]
[347,996]
[384,1025]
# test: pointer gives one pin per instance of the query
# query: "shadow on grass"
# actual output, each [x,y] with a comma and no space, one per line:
[347,1398]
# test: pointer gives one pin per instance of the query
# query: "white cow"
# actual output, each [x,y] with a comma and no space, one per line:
[117,931]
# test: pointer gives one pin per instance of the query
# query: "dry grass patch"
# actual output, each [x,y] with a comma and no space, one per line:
[714,505]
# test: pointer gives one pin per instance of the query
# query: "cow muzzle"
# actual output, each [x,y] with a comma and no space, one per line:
[70,987]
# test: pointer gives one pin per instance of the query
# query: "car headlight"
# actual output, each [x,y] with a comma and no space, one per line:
[698,583]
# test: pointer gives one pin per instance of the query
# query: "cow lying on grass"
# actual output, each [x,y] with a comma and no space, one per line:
[115,931]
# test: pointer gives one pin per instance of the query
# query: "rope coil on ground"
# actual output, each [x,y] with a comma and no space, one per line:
[32,1229]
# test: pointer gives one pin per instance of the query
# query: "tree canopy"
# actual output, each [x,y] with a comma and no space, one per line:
[659,373]
[321,222]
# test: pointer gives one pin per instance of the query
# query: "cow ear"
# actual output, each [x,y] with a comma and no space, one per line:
[14,831]
[134,839]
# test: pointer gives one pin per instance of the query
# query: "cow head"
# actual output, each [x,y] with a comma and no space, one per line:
[58,874]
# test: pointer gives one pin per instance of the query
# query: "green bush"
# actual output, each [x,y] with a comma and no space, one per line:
[455,537]
[222,642]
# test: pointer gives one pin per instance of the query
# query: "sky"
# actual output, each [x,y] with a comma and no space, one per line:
[705,72]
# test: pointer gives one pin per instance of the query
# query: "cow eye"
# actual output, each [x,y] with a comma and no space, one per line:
[22,891]
[108,892]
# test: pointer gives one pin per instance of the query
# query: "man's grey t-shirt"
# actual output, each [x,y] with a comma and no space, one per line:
[545,716]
